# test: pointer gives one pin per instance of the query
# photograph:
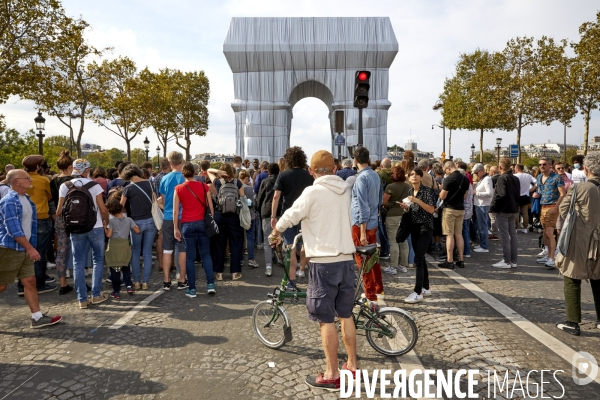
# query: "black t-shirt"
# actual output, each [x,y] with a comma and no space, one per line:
[140,205]
[292,183]
[457,185]
[55,185]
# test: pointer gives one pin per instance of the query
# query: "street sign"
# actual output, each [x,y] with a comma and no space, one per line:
[339,141]
[514,151]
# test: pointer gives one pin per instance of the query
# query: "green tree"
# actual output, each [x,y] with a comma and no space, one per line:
[119,102]
[106,159]
[15,146]
[28,30]
[471,99]
[396,148]
[192,90]
[53,146]
[488,158]
[65,79]
[159,96]
[138,156]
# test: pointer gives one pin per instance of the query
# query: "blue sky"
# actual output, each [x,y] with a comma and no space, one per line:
[189,35]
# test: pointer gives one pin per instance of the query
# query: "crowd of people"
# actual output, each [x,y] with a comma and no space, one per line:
[83,219]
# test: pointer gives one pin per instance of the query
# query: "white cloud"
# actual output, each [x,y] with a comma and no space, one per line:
[189,35]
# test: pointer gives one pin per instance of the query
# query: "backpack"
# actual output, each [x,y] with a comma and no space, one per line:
[78,212]
[228,197]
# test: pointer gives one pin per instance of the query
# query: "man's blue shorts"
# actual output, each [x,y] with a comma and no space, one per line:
[330,290]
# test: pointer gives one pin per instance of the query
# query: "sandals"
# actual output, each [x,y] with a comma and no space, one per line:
[219,276]
[237,276]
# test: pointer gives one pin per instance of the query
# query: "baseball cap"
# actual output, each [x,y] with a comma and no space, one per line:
[80,165]
[322,159]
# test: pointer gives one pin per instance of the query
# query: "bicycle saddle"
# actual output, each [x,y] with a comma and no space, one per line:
[367,250]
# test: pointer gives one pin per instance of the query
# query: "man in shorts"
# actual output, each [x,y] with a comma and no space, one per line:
[166,191]
[454,192]
[18,228]
[323,209]
[551,191]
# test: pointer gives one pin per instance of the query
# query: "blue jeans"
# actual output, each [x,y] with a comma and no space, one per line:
[80,246]
[483,221]
[44,234]
[195,233]
[142,244]
[383,239]
[466,232]
[411,251]
[250,237]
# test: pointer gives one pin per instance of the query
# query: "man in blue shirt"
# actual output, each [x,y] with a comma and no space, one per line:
[366,200]
[166,191]
[18,238]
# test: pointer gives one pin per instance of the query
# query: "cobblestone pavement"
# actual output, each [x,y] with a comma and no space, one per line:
[178,347]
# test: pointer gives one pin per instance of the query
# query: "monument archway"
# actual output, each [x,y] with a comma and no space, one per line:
[278,61]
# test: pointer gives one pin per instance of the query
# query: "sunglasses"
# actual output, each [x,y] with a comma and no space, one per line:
[542,165]
[560,167]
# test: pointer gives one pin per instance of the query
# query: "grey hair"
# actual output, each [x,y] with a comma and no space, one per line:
[592,163]
[449,164]
[423,164]
[347,163]
[478,167]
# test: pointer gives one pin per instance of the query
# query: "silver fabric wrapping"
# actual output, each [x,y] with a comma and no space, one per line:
[276,62]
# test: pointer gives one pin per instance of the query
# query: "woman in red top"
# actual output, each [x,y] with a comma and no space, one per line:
[99,176]
[194,197]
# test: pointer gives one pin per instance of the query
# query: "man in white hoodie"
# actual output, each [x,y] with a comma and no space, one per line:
[323,210]
[483,194]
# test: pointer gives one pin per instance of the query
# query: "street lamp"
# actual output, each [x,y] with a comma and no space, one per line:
[473,152]
[40,123]
[498,143]
[147,146]
[157,157]
[444,138]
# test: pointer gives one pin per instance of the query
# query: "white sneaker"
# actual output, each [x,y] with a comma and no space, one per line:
[501,264]
[524,230]
[550,263]
[390,270]
[477,246]
[413,298]
[300,273]
[402,269]
[543,253]
[68,273]
[411,265]
[177,276]
[268,270]
[481,250]
[50,265]
[467,255]
[425,292]
[513,265]
[542,260]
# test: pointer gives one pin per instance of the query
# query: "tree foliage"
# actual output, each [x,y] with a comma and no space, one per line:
[106,159]
[16,146]
[65,80]
[119,102]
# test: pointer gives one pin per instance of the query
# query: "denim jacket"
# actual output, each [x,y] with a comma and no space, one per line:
[11,214]
[366,198]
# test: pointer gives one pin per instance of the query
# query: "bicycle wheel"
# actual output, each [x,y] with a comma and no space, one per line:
[404,332]
[271,333]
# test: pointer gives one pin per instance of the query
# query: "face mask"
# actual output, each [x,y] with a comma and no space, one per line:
[577,166]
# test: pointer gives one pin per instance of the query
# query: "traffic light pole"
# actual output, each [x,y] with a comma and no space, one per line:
[360,127]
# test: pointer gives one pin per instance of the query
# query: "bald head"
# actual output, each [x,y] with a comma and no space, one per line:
[9,167]
[386,163]
[19,181]
[493,170]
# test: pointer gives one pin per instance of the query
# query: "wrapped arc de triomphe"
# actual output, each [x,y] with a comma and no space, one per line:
[277,62]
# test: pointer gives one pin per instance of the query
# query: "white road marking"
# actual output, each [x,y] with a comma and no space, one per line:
[131,313]
[558,347]
[20,385]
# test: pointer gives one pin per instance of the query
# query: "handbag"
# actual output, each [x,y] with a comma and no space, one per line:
[210,225]
[405,227]
[565,234]
[157,213]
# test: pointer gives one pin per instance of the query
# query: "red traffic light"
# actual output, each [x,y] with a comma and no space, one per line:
[363,76]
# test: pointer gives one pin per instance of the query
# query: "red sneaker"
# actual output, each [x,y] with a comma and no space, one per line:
[322,383]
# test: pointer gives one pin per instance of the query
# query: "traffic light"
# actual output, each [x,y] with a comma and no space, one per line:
[361,89]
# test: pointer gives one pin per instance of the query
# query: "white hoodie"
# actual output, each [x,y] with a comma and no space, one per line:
[323,209]
[485,192]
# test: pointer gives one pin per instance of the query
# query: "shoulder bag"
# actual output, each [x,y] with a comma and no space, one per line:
[564,238]
[157,213]
[210,225]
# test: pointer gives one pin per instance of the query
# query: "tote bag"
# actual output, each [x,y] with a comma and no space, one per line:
[565,234]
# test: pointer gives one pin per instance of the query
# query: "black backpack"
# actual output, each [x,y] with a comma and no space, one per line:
[78,212]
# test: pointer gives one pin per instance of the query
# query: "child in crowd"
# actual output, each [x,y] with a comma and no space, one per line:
[118,252]
[244,176]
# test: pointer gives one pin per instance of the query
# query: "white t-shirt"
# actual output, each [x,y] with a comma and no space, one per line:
[578,176]
[94,191]
[4,189]
[526,181]
[27,216]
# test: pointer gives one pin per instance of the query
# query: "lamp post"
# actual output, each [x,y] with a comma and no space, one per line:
[40,123]
[157,157]
[473,152]
[147,146]
[444,138]
[498,143]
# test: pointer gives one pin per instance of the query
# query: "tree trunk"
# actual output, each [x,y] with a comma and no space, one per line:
[128,141]
[519,139]
[188,156]
[586,133]
[481,147]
